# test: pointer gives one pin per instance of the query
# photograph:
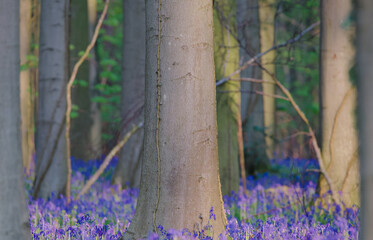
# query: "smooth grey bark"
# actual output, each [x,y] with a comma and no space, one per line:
[179,187]
[251,103]
[128,170]
[13,210]
[51,167]
[339,143]
[81,146]
[365,102]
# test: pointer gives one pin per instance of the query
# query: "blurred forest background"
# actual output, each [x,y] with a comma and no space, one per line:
[285,90]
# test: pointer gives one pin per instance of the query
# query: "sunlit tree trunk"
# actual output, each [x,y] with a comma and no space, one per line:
[251,102]
[267,11]
[226,52]
[365,103]
[338,100]
[180,174]
[128,169]
[81,125]
[27,114]
[51,167]
[95,132]
[13,210]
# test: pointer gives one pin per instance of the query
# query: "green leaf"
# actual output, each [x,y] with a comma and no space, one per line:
[99,99]
[74,114]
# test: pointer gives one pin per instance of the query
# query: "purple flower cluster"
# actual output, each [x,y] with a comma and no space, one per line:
[276,205]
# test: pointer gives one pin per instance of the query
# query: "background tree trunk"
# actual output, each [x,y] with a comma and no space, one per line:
[365,98]
[13,210]
[226,52]
[79,39]
[27,106]
[251,103]
[51,168]
[181,184]
[338,100]
[267,11]
[133,76]
[95,132]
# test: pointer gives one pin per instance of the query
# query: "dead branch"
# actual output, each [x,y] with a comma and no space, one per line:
[259,55]
[107,160]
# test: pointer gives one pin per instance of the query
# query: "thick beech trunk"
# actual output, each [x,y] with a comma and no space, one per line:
[267,11]
[338,100]
[180,174]
[226,52]
[128,170]
[365,103]
[13,210]
[27,106]
[51,167]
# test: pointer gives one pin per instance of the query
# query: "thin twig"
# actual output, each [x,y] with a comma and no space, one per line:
[253,80]
[68,97]
[259,55]
[313,137]
[107,160]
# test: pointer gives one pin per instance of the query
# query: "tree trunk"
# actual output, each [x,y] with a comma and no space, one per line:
[267,11]
[81,125]
[251,102]
[226,52]
[51,167]
[27,114]
[128,170]
[338,100]
[365,100]
[95,132]
[180,174]
[13,210]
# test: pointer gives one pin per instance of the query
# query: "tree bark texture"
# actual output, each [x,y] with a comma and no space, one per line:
[27,106]
[79,39]
[226,54]
[13,210]
[95,132]
[51,167]
[251,103]
[365,99]
[338,100]
[180,174]
[128,170]
[267,11]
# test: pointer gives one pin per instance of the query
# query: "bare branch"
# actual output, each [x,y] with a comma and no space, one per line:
[107,160]
[256,57]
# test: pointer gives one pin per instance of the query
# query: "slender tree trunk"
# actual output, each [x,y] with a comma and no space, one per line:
[128,170]
[338,101]
[228,95]
[267,11]
[27,114]
[251,103]
[79,39]
[13,210]
[51,167]
[365,103]
[180,174]
[95,132]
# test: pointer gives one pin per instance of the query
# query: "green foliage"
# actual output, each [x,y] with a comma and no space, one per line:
[109,54]
[297,66]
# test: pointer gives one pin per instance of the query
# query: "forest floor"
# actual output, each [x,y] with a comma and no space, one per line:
[279,204]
